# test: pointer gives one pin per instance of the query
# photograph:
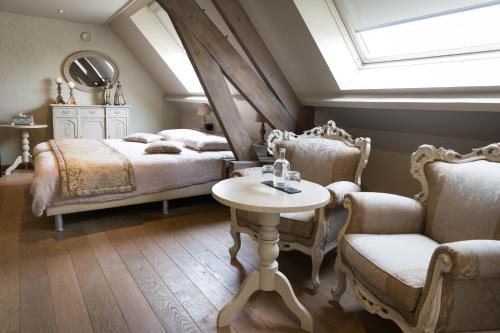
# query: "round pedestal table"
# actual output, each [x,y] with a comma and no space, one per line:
[25,156]
[248,193]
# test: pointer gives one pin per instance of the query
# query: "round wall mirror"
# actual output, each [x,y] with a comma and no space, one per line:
[89,70]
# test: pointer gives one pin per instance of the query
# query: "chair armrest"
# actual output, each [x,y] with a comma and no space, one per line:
[468,273]
[382,213]
[472,259]
[338,190]
[257,171]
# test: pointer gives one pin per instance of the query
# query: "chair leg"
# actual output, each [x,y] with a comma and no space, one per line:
[340,278]
[233,251]
[317,260]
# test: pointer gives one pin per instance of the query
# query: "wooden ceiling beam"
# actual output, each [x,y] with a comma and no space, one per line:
[235,68]
[243,29]
[219,96]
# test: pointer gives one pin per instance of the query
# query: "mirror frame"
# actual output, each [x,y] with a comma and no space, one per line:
[69,60]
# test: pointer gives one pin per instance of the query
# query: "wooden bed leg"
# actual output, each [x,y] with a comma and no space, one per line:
[58,223]
[165,207]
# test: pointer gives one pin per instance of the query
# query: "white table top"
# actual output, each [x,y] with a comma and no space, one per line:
[248,193]
[24,126]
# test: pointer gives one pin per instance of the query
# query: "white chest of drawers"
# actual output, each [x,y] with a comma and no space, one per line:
[89,121]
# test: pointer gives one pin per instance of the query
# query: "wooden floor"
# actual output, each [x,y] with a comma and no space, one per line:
[134,270]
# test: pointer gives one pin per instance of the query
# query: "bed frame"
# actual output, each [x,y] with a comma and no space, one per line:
[178,193]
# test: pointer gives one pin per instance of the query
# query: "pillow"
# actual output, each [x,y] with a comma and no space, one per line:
[142,137]
[164,147]
[207,142]
[179,134]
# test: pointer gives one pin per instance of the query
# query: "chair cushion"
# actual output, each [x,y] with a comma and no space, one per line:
[464,201]
[392,267]
[293,227]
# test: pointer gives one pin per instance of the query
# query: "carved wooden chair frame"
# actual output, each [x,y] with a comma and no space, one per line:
[430,310]
[319,248]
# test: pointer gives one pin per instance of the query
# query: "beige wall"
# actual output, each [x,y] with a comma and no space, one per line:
[395,134]
[32,51]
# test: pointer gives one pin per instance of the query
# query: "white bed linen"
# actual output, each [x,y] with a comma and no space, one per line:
[153,173]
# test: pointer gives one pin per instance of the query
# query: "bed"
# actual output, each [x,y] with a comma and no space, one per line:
[158,177]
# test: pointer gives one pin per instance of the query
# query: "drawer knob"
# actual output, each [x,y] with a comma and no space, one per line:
[65,111]
[117,112]
[92,111]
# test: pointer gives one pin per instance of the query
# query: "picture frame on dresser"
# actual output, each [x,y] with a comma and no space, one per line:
[89,121]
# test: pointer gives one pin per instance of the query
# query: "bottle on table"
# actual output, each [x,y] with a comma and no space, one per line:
[281,168]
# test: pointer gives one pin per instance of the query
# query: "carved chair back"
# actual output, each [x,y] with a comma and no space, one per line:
[324,154]
[461,192]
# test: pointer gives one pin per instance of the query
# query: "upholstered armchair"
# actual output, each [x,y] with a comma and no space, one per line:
[431,264]
[325,155]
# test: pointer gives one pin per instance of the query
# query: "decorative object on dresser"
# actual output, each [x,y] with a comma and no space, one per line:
[430,264]
[119,96]
[326,155]
[204,111]
[266,203]
[90,121]
[107,91]
[71,99]
[262,121]
[89,70]
[59,98]
[25,156]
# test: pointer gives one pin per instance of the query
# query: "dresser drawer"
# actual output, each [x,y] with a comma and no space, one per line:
[112,112]
[65,112]
[90,112]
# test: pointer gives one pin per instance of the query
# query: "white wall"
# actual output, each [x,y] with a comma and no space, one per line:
[32,52]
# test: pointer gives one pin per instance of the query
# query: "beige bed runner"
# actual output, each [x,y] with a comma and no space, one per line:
[91,167]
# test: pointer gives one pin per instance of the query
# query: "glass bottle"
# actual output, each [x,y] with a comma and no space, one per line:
[281,168]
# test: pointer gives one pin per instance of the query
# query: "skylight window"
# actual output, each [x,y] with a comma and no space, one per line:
[440,31]
[155,25]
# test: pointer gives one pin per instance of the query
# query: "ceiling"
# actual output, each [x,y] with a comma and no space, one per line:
[87,11]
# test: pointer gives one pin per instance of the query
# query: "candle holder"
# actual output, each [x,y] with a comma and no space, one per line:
[71,99]
[59,99]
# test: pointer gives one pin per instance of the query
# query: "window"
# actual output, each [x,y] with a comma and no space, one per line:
[154,23]
[389,30]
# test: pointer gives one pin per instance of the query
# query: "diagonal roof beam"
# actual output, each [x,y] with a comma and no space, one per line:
[242,28]
[219,96]
[235,68]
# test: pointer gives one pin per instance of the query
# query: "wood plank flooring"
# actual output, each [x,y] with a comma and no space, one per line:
[132,269]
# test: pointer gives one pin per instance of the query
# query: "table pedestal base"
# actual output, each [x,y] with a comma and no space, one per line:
[25,156]
[267,277]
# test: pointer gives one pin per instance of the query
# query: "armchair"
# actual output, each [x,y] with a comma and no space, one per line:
[325,155]
[431,264]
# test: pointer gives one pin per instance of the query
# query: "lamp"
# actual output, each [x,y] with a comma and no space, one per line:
[204,111]
[260,119]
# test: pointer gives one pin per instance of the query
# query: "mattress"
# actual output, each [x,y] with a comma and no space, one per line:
[153,173]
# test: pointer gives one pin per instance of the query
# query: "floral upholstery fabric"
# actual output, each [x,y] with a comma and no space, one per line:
[471,291]
[464,201]
[392,267]
[321,160]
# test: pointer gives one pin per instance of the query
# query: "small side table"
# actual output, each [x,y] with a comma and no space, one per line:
[25,156]
[247,193]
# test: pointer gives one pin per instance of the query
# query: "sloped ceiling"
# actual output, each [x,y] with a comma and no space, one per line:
[280,26]
[85,11]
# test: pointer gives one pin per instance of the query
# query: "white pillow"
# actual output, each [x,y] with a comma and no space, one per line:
[142,137]
[179,134]
[206,142]
[164,147]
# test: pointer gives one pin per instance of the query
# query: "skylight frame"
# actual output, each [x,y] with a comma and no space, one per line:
[361,53]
